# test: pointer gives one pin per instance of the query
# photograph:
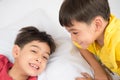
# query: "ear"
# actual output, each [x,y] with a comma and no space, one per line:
[15,51]
[98,21]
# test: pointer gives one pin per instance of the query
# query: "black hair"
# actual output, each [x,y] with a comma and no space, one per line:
[83,11]
[31,33]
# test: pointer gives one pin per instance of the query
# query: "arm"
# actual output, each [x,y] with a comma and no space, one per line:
[99,72]
[3,60]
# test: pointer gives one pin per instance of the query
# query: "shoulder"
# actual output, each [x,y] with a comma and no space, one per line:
[2,56]
[112,32]
[117,51]
[3,60]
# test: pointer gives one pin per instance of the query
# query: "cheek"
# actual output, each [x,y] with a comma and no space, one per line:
[90,38]
[74,37]
[43,66]
[25,58]
[44,63]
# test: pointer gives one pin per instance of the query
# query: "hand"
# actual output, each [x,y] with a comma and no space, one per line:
[86,76]
[99,72]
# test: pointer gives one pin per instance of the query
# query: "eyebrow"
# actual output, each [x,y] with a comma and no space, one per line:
[71,30]
[40,49]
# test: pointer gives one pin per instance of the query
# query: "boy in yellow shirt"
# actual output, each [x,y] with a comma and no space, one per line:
[93,30]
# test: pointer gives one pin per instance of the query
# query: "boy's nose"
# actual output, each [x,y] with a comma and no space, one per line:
[38,60]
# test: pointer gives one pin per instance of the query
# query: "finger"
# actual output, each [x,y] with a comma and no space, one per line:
[86,75]
[80,78]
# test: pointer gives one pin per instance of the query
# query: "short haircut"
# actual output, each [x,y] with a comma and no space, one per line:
[30,33]
[83,11]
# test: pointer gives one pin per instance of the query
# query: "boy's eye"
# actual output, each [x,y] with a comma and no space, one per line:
[33,51]
[75,32]
[44,57]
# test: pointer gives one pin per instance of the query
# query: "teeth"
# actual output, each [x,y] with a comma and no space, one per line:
[35,66]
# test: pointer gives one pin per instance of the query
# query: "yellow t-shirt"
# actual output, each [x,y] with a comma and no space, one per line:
[109,54]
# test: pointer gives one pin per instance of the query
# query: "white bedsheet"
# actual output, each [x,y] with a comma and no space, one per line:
[66,63]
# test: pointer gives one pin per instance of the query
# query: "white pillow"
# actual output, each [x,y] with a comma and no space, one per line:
[66,63]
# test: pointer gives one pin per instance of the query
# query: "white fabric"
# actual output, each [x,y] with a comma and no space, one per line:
[66,63]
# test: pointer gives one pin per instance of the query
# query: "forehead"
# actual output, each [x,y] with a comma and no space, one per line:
[77,26]
[36,42]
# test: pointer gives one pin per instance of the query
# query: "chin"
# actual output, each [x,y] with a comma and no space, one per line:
[33,74]
[84,46]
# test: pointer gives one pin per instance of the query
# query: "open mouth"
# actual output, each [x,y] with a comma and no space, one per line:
[34,66]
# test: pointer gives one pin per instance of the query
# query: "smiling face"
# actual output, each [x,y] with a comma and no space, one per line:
[82,33]
[31,60]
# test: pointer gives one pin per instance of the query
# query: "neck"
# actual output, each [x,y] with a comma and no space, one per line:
[100,39]
[16,74]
